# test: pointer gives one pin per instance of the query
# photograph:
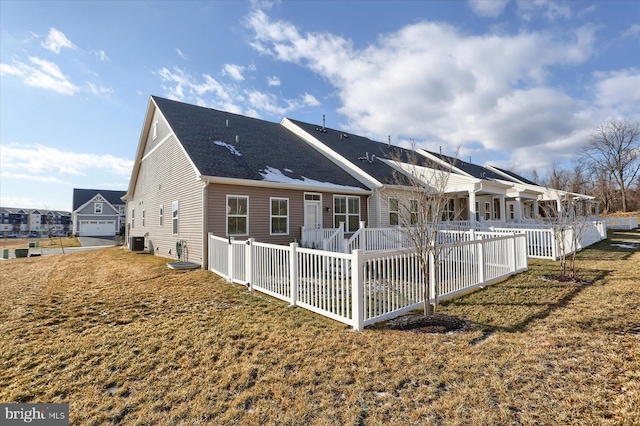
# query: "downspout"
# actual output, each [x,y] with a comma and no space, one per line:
[205,222]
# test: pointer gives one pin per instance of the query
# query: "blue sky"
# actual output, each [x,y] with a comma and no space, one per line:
[517,84]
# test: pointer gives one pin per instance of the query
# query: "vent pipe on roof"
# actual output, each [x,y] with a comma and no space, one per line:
[237,138]
[389,146]
[323,121]
[227,122]
[440,149]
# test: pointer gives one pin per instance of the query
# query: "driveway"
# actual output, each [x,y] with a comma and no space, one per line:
[97,241]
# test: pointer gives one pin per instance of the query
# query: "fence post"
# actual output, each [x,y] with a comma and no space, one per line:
[210,250]
[432,277]
[357,290]
[230,259]
[554,245]
[363,241]
[480,259]
[248,263]
[514,258]
[293,273]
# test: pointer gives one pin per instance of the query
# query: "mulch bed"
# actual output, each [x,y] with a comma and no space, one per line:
[420,324]
[565,279]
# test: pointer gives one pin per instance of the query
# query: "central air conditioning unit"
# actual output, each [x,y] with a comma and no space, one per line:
[136,243]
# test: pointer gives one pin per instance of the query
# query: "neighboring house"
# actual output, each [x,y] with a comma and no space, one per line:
[199,170]
[97,212]
[21,222]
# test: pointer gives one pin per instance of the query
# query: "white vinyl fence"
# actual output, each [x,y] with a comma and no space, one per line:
[361,288]
[547,243]
[625,223]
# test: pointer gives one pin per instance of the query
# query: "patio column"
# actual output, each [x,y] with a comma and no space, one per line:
[558,205]
[536,209]
[503,210]
[472,208]
[518,209]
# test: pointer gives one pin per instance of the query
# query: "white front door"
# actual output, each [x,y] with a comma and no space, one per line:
[312,214]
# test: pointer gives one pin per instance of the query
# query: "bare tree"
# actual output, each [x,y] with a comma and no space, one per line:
[423,206]
[615,148]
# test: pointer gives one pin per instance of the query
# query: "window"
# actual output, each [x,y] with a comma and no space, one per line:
[393,212]
[154,131]
[143,217]
[237,215]
[496,208]
[133,218]
[487,210]
[174,216]
[161,214]
[347,210]
[512,211]
[279,215]
[97,208]
[449,211]
[477,212]
[121,210]
[312,197]
[413,211]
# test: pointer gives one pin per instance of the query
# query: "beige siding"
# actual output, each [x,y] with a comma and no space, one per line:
[259,211]
[165,176]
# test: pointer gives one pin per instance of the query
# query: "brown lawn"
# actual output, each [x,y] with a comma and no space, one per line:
[13,243]
[125,340]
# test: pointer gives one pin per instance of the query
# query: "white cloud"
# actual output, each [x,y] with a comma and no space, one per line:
[181,54]
[310,100]
[42,73]
[31,177]
[22,202]
[98,90]
[550,9]
[209,92]
[102,55]
[44,162]
[619,91]
[234,71]
[632,32]
[488,8]
[56,40]
[273,81]
[433,82]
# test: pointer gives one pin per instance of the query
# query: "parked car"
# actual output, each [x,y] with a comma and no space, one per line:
[33,235]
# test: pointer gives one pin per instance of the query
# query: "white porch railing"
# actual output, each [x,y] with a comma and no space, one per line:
[317,237]
[625,223]
[363,288]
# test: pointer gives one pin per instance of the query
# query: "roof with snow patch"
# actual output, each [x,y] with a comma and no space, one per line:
[224,144]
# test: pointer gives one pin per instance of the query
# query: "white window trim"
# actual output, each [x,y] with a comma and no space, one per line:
[396,211]
[161,215]
[271,216]
[154,130]
[226,222]
[347,214]
[175,217]
[95,208]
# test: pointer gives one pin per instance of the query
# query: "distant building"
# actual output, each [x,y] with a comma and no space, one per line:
[97,212]
[22,222]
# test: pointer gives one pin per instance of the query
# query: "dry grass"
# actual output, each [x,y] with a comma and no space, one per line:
[55,242]
[125,340]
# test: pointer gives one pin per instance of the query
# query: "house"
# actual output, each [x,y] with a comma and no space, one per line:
[97,212]
[198,170]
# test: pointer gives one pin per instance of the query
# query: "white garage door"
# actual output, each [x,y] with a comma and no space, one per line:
[97,228]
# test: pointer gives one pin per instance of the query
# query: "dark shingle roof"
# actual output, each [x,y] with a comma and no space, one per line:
[81,196]
[356,149]
[246,147]
[474,170]
[515,176]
